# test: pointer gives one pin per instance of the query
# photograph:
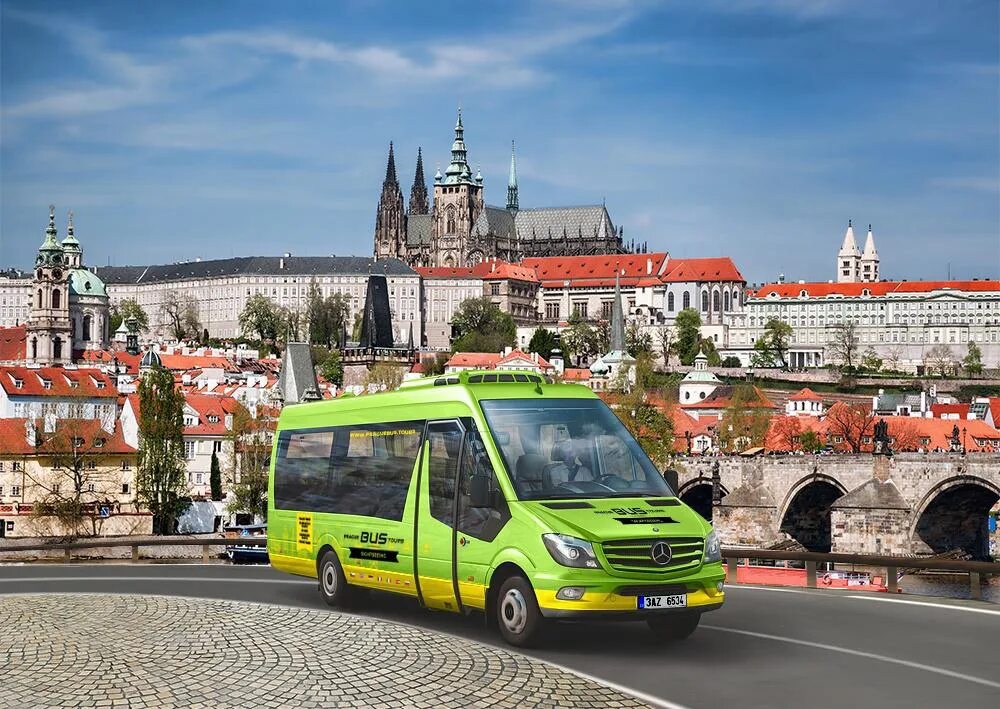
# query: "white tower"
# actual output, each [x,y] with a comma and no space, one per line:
[869,259]
[848,258]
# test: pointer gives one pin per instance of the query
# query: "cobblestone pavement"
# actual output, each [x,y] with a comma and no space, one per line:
[76,650]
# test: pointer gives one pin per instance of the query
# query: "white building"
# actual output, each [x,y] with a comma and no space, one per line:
[442,290]
[699,383]
[805,402]
[220,288]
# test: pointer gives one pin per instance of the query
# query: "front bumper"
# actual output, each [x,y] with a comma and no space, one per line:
[614,596]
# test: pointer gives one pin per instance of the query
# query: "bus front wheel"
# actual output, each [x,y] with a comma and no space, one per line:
[332,582]
[673,627]
[518,617]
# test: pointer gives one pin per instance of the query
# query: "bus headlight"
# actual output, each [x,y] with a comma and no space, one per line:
[713,547]
[570,551]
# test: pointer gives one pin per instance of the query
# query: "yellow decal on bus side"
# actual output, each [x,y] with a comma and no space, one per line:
[304,531]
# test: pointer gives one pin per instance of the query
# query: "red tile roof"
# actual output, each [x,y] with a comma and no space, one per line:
[89,382]
[995,410]
[721,398]
[573,374]
[939,410]
[805,394]
[14,440]
[478,360]
[12,343]
[515,355]
[182,363]
[792,290]
[209,405]
[501,270]
[130,361]
[702,269]
[595,270]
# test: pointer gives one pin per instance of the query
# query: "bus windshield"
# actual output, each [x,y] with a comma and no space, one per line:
[569,448]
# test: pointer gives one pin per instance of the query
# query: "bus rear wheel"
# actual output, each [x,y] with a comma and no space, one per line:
[673,627]
[333,582]
[518,617]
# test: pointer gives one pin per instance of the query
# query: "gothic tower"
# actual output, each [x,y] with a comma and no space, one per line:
[869,259]
[48,328]
[418,193]
[848,258]
[512,181]
[458,201]
[390,221]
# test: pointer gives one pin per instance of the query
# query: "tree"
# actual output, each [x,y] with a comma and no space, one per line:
[543,341]
[771,348]
[260,317]
[251,438]
[359,320]
[181,313]
[731,362]
[332,368]
[904,433]
[745,422]
[74,483]
[290,323]
[973,361]
[215,478]
[637,342]
[579,339]
[688,323]
[652,427]
[941,358]
[481,326]
[126,311]
[785,434]
[870,360]
[434,366]
[384,377]
[160,481]
[892,358]
[810,441]
[707,347]
[851,423]
[665,343]
[843,345]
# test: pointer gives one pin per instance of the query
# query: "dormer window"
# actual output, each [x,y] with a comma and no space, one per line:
[46,383]
[98,443]
[73,384]
[77,441]
[212,418]
[18,383]
[100,384]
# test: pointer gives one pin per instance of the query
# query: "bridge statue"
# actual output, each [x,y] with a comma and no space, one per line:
[881,441]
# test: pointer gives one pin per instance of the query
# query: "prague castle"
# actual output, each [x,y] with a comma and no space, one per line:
[460,230]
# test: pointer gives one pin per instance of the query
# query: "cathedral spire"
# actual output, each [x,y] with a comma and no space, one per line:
[458,170]
[418,193]
[390,169]
[512,180]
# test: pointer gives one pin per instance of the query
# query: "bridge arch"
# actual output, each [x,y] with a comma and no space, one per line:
[805,511]
[953,515]
[697,494]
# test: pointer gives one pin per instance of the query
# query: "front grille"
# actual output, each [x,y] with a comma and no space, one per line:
[634,554]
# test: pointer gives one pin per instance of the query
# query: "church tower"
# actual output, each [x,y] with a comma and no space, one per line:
[869,259]
[458,202]
[848,258]
[48,327]
[418,193]
[512,181]
[390,221]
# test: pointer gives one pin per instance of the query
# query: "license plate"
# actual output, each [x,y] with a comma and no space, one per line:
[653,602]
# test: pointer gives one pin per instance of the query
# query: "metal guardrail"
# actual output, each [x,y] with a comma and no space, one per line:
[977,570]
[206,543]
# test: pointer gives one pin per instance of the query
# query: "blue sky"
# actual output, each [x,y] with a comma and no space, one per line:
[748,128]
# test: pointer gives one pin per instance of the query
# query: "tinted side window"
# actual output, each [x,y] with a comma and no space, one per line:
[361,470]
[480,522]
[445,441]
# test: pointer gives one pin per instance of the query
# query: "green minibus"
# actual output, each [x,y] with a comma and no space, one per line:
[489,491]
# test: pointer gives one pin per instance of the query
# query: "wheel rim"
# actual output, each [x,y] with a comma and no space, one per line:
[329,579]
[514,611]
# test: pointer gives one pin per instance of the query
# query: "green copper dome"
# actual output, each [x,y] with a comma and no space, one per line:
[70,243]
[50,253]
[84,282]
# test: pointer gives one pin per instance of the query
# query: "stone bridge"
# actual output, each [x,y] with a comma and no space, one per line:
[910,503]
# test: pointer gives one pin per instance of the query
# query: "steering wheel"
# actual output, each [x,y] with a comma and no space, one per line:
[614,482]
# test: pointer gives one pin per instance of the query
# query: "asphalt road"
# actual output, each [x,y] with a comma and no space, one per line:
[765,648]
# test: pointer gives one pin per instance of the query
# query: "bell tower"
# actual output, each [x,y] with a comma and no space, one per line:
[458,202]
[49,338]
[390,221]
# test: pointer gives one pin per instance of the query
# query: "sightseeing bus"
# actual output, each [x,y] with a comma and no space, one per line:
[488,491]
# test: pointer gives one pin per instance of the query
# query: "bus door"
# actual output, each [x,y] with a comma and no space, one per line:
[434,558]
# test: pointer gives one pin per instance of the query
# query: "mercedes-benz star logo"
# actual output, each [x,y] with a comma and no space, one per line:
[661,553]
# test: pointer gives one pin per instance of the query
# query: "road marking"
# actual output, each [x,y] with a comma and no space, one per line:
[929,605]
[169,579]
[858,653]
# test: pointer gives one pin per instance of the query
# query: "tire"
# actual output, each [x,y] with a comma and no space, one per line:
[332,581]
[673,627]
[517,615]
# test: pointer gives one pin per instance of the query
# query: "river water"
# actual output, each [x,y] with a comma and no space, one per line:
[948,586]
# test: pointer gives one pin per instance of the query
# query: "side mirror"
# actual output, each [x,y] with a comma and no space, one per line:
[671,478]
[480,491]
